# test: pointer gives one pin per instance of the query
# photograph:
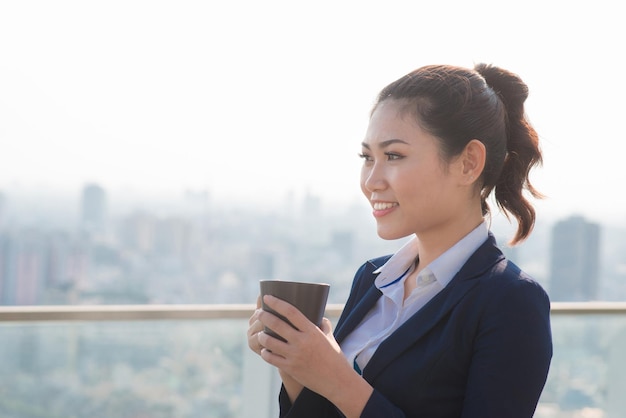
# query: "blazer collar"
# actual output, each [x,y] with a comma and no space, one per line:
[419,324]
[366,302]
[356,315]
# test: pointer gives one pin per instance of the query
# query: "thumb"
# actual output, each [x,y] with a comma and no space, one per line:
[326,326]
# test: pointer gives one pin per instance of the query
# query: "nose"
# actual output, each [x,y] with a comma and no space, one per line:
[372,178]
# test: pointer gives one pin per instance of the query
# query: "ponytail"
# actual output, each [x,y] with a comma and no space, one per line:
[523,152]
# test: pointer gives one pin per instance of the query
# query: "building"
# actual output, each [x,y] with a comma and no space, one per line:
[94,208]
[22,270]
[574,266]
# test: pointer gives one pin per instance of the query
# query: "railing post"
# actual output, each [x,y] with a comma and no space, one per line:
[260,387]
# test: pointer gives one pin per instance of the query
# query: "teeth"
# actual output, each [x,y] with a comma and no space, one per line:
[383,206]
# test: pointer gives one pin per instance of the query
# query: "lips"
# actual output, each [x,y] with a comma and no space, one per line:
[383,208]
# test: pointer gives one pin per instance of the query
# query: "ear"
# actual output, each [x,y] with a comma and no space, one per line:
[472,161]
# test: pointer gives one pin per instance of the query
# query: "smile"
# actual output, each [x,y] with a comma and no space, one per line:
[383,205]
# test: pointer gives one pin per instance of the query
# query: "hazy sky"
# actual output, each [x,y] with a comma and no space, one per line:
[255,98]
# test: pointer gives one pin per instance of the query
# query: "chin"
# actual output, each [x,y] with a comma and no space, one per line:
[391,235]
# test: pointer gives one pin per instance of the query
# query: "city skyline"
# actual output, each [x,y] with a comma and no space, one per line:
[113,366]
[93,254]
[249,99]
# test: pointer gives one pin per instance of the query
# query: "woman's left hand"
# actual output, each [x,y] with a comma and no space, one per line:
[311,355]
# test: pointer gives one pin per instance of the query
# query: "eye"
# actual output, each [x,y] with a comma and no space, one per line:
[392,156]
[365,156]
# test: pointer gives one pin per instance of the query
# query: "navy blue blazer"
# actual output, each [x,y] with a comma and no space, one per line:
[481,348]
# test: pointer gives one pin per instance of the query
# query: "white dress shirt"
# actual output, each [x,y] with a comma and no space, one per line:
[391,309]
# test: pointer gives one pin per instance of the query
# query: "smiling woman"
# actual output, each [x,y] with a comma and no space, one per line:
[436,329]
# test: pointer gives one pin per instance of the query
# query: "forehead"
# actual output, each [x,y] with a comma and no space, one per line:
[392,120]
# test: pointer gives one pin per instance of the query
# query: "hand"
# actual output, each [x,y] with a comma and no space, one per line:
[254,327]
[311,355]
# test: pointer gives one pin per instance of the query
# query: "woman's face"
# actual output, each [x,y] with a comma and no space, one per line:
[410,188]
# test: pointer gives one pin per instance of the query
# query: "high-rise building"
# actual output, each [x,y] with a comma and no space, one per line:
[575,253]
[94,208]
[22,268]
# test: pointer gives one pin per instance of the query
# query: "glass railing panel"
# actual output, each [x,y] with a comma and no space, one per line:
[122,369]
[191,368]
[587,377]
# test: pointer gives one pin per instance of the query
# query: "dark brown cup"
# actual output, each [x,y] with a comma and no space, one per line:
[308,298]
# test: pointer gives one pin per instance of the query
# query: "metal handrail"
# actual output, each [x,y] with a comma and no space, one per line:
[38,313]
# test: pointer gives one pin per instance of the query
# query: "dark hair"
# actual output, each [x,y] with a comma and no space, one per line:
[457,105]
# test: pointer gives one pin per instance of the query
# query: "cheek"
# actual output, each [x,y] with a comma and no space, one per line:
[420,190]
[436,196]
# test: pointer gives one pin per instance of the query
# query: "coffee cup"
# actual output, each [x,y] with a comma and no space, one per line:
[309,298]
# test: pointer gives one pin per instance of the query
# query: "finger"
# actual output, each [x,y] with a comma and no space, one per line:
[254,316]
[254,344]
[271,357]
[277,325]
[255,327]
[327,326]
[289,311]
[268,342]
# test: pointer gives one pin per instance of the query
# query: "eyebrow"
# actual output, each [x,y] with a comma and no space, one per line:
[385,144]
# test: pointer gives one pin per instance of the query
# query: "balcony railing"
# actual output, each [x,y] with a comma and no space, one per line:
[192,361]
[39,313]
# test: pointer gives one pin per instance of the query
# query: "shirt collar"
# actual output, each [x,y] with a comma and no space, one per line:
[448,264]
[443,268]
[397,264]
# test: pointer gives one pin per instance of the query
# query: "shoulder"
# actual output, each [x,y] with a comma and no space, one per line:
[496,276]
[506,275]
[507,286]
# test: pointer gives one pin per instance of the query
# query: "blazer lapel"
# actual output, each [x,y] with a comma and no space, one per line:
[435,310]
[365,303]
[356,315]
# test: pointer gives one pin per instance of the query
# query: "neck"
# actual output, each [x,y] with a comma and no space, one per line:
[434,242]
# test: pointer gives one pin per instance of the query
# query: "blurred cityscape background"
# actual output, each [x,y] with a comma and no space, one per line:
[101,248]
[94,249]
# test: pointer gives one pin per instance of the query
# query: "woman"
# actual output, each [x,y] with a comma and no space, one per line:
[446,326]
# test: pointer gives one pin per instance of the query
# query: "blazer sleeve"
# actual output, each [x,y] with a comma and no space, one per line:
[310,404]
[511,353]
